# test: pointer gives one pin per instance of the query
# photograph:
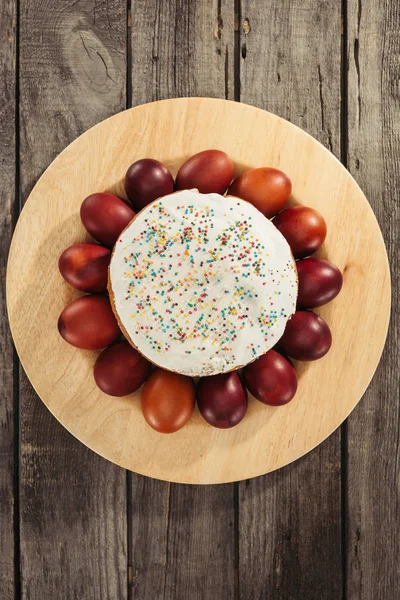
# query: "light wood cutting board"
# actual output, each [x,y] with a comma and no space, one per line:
[267,438]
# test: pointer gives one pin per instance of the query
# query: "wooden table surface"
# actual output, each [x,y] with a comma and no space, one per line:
[72,525]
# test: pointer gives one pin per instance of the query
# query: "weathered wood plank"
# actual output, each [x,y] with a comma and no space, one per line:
[373,429]
[7,201]
[200,543]
[73,503]
[182,48]
[185,546]
[290,521]
[150,512]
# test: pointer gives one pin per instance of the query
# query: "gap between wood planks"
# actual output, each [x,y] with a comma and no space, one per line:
[128,104]
[16,365]
[344,137]
[236,62]
[236,91]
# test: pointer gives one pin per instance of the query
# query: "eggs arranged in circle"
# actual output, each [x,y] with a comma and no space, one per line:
[201,283]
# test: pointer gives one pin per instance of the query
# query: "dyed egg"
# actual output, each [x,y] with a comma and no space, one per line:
[85,267]
[146,180]
[105,216]
[304,229]
[271,379]
[306,336]
[266,188]
[167,400]
[89,323]
[208,171]
[222,399]
[319,282]
[120,370]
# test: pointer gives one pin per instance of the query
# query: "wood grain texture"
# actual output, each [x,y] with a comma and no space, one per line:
[374,427]
[73,504]
[7,201]
[149,518]
[290,521]
[182,48]
[183,541]
[268,438]
[200,550]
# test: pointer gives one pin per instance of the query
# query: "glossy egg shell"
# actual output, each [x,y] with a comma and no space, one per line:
[266,188]
[304,229]
[271,379]
[222,399]
[105,216]
[208,171]
[120,370]
[319,282]
[306,336]
[167,400]
[89,323]
[146,180]
[85,267]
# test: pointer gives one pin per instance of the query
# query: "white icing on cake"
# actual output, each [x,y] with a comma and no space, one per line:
[201,283]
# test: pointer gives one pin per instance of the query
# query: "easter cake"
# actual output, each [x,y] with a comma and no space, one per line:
[202,284]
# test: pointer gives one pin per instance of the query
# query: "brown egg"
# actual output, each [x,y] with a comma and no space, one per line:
[105,216]
[266,188]
[89,323]
[167,400]
[208,171]
[304,229]
[85,267]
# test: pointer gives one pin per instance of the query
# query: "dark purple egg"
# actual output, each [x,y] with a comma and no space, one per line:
[319,282]
[222,399]
[146,180]
[306,337]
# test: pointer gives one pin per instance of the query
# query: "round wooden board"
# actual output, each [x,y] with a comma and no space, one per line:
[267,438]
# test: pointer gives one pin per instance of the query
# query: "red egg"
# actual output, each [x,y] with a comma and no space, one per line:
[105,216]
[167,400]
[120,370]
[266,188]
[306,336]
[271,379]
[89,323]
[304,229]
[85,267]
[146,180]
[222,399]
[208,171]
[319,282]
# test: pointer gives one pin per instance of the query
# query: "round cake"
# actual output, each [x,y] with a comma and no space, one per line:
[201,283]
